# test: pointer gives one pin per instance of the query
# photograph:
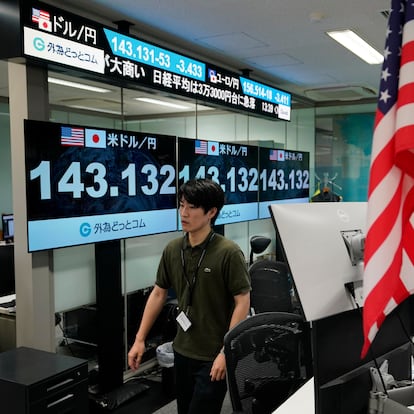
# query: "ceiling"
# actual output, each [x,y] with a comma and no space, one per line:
[282,42]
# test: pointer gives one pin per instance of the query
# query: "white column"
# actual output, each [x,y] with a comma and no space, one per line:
[34,280]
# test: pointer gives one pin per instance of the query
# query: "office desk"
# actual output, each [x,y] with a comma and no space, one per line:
[7,325]
[302,401]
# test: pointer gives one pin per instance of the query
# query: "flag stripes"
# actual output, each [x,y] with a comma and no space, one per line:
[389,247]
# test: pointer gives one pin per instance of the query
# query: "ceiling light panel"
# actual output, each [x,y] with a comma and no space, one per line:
[162,103]
[77,85]
[350,40]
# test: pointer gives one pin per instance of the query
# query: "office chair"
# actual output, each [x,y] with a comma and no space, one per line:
[258,244]
[268,359]
[271,287]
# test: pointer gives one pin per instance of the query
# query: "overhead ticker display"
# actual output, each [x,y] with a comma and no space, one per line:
[59,37]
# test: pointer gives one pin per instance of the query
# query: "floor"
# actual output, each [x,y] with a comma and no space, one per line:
[152,392]
[149,394]
[157,398]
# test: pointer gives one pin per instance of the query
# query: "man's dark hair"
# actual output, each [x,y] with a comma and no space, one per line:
[204,193]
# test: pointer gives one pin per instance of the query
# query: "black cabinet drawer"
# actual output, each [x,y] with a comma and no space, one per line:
[33,381]
[56,383]
[73,400]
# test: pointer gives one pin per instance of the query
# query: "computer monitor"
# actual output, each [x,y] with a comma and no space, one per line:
[318,241]
[323,243]
[8,227]
[7,281]
[342,379]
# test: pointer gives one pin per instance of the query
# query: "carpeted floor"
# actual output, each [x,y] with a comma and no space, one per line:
[156,399]
[146,402]
[170,408]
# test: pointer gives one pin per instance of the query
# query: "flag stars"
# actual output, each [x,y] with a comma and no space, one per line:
[384,96]
[389,31]
[385,74]
[387,53]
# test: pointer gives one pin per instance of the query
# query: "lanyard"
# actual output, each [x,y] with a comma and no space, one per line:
[191,284]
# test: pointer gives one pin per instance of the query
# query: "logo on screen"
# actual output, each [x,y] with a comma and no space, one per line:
[85,229]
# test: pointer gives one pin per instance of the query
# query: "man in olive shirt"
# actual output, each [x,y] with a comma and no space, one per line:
[209,275]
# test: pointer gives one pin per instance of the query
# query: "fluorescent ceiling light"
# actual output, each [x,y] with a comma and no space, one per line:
[90,108]
[77,85]
[355,44]
[163,103]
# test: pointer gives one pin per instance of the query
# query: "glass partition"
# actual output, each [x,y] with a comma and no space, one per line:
[343,142]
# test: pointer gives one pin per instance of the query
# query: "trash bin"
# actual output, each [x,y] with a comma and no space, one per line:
[165,358]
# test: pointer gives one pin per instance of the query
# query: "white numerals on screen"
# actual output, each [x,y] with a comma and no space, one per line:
[42,171]
[100,186]
[277,180]
[71,181]
[94,181]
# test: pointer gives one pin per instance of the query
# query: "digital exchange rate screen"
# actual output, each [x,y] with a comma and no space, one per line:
[86,185]
[284,178]
[233,166]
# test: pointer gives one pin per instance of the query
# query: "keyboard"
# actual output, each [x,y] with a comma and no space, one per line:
[10,304]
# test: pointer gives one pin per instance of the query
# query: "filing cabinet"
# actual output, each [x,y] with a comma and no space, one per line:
[39,382]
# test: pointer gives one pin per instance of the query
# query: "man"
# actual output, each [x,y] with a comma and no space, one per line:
[209,275]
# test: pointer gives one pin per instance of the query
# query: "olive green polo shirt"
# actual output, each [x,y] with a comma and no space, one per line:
[222,274]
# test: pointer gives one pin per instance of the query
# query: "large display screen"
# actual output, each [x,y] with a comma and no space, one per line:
[59,37]
[233,166]
[284,178]
[86,185]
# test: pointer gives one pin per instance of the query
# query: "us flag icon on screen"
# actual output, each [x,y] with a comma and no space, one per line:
[42,18]
[95,138]
[200,147]
[72,136]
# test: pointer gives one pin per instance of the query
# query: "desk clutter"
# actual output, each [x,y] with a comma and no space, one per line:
[8,303]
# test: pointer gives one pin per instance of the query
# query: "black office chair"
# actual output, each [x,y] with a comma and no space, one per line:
[268,359]
[271,287]
[258,244]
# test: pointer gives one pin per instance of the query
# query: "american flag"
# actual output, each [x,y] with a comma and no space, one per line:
[200,147]
[72,136]
[39,14]
[389,247]
[273,155]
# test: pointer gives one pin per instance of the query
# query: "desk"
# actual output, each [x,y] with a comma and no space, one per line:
[302,401]
[7,325]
